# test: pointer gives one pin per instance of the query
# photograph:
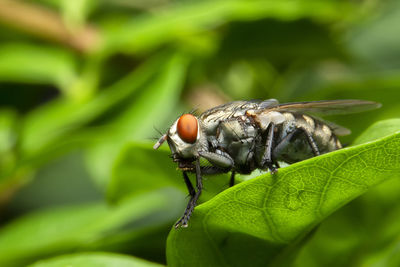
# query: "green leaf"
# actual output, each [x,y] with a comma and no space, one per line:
[8,139]
[95,259]
[62,116]
[263,220]
[78,227]
[363,230]
[158,98]
[375,40]
[75,13]
[149,31]
[378,130]
[8,135]
[140,168]
[19,63]
[340,241]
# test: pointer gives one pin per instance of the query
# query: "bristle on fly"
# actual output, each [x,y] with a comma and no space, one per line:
[160,141]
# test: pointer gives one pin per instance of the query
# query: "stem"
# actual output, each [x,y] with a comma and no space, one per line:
[47,24]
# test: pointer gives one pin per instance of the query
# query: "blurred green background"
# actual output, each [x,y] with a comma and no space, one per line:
[86,85]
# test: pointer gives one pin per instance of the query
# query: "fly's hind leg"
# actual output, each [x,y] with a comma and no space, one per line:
[288,138]
[312,143]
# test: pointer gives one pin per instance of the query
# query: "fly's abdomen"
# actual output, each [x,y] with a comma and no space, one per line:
[325,138]
[298,134]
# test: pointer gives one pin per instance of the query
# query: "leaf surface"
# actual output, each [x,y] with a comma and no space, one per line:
[96,259]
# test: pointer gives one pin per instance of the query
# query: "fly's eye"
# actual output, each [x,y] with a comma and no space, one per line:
[187,128]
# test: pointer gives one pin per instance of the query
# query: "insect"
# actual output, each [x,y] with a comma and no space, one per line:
[242,136]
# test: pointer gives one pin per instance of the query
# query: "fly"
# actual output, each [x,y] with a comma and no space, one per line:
[242,136]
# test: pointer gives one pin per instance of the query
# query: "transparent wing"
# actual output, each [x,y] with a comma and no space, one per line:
[328,107]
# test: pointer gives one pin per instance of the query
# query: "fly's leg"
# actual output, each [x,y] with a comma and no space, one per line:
[192,193]
[285,141]
[267,157]
[193,200]
[221,160]
[188,184]
[312,143]
[210,170]
[232,180]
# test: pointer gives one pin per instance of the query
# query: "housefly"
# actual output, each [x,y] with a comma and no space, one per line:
[242,136]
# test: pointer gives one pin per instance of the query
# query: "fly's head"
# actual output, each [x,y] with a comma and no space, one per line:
[184,138]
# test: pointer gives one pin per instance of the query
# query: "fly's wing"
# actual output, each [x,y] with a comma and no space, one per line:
[329,107]
[236,108]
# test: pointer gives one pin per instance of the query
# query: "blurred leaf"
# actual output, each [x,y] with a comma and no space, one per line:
[62,116]
[76,227]
[140,168]
[158,98]
[378,130]
[264,220]
[19,63]
[302,40]
[386,257]
[76,12]
[97,259]
[8,135]
[8,140]
[62,181]
[149,31]
[375,40]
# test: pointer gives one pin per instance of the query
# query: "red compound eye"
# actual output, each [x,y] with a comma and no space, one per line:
[187,128]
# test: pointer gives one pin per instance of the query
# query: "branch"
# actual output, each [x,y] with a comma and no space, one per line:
[47,24]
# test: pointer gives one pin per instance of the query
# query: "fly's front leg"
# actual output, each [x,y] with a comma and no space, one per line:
[192,194]
[267,157]
[189,185]
[193,200]
[211,170]
[221,160]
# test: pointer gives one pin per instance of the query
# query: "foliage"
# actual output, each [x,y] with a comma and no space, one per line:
[84,83]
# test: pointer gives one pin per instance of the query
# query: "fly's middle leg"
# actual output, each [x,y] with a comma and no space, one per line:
[232,180]
[267,157]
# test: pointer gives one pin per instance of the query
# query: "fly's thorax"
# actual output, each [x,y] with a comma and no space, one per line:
[183,147]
